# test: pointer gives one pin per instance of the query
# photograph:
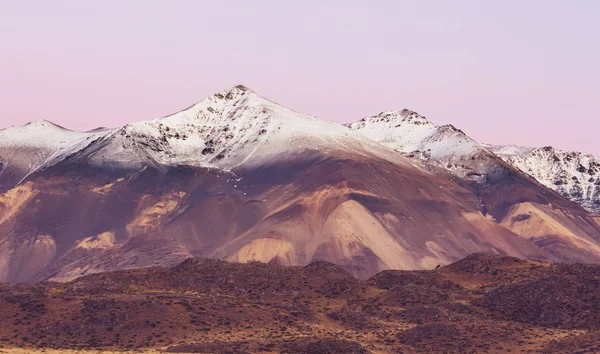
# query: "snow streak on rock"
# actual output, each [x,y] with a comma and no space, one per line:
[575,175]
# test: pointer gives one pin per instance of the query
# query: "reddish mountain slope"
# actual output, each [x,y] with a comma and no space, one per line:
[240,178]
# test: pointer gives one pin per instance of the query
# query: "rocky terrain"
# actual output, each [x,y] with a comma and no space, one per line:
[483,303]
[574,175]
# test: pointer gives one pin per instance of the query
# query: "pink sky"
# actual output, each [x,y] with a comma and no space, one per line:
[512,72]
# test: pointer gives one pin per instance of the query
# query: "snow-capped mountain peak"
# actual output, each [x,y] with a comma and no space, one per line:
[231,128]
[412,134]
[396,119]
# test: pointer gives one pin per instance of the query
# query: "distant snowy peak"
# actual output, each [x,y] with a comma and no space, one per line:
[202,134]
[408,132]
[394,118]
[400,130]
[31,147]
[41,133]
[575,175]
[411,134]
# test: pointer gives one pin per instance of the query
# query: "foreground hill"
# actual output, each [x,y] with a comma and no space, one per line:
[240,178]
[483,303]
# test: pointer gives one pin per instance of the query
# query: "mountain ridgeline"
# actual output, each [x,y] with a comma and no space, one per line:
[240,178]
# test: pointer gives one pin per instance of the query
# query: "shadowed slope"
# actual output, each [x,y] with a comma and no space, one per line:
[507,195]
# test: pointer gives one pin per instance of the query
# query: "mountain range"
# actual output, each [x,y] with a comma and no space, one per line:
[241,178]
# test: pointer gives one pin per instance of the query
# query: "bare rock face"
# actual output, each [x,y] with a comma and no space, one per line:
[240,178]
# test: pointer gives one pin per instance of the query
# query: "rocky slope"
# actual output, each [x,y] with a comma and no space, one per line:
[413,135]
[515,200]
[483,303]
[240,178]
[574,175]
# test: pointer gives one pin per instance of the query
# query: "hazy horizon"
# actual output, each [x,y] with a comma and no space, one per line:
[514,72]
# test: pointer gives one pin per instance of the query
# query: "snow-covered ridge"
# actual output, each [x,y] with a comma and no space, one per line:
[231,128]
[575,175]
[238,127]
[39,134]
[34,146]
[413,135]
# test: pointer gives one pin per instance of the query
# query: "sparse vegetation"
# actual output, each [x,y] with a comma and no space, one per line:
[483,303]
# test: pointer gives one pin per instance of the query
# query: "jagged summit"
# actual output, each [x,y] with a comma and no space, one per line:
[234,93]
[240,88]
[228,129]
[232,127]
[230,94]
[402,116]
[413,135]
[574,175]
